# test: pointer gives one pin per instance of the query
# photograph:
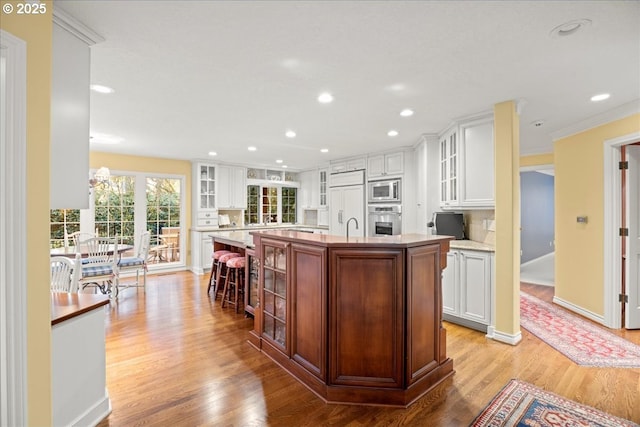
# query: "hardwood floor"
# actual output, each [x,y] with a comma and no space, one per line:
[175,358]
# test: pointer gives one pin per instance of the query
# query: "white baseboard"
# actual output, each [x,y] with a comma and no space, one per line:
[511,339]
[95,414]
[579,310]
[531,261]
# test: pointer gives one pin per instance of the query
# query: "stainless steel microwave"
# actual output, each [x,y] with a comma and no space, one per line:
[387,191]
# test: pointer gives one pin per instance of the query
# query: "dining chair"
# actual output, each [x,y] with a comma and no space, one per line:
[65,273]
[100,267]
[78,237]
[137,263]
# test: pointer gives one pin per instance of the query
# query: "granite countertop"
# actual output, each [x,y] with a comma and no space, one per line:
[472,245]
[400,240]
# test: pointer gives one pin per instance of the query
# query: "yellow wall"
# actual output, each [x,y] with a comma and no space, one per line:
[36,30]
[536,160]
[507,214]
[579,190]
[124,162]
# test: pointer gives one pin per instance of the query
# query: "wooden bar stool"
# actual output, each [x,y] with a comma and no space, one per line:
[214,270]
[234,283]
[221,273]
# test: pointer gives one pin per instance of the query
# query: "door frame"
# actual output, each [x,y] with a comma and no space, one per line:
[612,222]
[13,233]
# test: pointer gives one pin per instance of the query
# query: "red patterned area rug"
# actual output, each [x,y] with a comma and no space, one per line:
[581,341]
[523,404]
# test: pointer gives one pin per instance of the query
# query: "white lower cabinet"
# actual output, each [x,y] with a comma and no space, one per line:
[467,284]
[201,251]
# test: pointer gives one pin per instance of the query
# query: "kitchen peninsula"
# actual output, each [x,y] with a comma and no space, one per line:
[357,320]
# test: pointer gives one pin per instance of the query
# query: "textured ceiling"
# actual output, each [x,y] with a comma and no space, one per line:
[197,76]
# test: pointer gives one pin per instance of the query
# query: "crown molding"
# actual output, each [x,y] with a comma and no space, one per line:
[75,27]
[617,113]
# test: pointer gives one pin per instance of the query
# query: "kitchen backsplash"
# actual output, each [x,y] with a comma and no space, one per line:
[478,224]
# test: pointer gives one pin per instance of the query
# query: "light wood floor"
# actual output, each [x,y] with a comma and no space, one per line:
[174,358]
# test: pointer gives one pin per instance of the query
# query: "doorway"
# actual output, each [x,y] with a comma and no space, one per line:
[537,247]
[613,214]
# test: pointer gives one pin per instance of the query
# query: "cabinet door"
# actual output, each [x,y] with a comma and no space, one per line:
[206,251]
[238,188]
[336,214]
[478,159]
[306,183]
[375,166]
[449,178]
[394,163]
[450,288]
[308,314]
[353,207]
[207,187]
[475,286]
[322,188]
[69,152]
[274,294]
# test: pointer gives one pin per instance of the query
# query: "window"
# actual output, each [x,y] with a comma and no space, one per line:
[271,204]
[289,204]
[130,204]
[115,209]
[252,214]
[59,220]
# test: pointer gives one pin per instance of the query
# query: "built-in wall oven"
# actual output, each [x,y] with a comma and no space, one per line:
[385,220]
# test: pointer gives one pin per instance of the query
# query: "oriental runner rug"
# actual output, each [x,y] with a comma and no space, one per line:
[523,404]
[581,341]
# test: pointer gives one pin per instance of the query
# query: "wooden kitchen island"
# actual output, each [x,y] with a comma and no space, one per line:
[356,320]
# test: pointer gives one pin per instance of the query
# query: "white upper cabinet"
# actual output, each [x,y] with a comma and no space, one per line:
[467,164]
[205,179]
[382,165]
[232,187]
[348,165]
[313,189]
[476,139]
[69,153]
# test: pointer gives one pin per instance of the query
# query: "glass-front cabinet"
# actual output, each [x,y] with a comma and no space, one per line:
[274,293]
[207,186]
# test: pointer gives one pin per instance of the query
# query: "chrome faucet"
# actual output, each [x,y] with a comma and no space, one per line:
[348,221]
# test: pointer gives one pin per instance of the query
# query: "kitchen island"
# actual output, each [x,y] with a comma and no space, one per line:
[357,320]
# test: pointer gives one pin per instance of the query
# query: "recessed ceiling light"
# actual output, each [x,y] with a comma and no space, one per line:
[325,98]
[279,161]
[392,133]
[600,97]
[324,150]
[537,123]
[252,148]
[104,138]
[101,89]
[284,166]
[290,134]
[406,112]
[570,28]
[213,153]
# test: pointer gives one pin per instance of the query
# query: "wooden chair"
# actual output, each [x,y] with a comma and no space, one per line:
[75,238]
[100,267]
[137,263]
[65,273]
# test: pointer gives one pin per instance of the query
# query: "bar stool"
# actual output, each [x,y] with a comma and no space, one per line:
[221,273]
[214,270]
[234,282]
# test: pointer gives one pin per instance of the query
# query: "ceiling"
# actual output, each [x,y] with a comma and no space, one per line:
[192,77]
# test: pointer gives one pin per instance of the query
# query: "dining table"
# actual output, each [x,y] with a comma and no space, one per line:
[71,251]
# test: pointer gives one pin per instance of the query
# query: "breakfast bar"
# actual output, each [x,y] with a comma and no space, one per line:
[357,320]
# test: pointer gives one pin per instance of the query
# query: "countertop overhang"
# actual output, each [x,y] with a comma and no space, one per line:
[65,306]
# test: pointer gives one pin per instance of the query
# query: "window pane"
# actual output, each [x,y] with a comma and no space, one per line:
[115,207]
[60,219]
[163,219]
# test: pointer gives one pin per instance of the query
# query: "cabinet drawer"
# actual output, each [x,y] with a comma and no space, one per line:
[207,215]
[208,222]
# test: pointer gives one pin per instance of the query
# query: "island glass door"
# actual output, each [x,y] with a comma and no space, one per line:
[274,295]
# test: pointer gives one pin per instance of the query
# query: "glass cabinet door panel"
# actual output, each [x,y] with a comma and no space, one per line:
[280,332]
[269,326]
[268,280]
[281,259]
[269,306]
[268,256]
[280,307]
[281,284]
